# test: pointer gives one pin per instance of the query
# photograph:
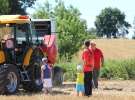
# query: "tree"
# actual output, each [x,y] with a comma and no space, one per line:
[15,6]
[43,11]
[72,30]
[92,31]
[4,7]
[111,22]
[133,37]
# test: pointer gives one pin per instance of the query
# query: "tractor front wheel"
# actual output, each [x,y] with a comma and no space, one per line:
[9,79]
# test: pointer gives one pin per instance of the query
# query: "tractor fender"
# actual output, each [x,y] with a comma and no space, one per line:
[27,57]
[2,57]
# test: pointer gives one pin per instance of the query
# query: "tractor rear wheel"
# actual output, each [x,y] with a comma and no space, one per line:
[9,79]
[34,72]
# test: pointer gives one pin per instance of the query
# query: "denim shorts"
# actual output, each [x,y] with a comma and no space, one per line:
[79,87]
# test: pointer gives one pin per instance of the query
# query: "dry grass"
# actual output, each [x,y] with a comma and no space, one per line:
[114,48]
[101,94]
[96,96]
[117,48]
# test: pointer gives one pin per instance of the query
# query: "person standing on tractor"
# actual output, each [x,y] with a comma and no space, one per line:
[98,63]
[9,47]
[46,76]
[88,62]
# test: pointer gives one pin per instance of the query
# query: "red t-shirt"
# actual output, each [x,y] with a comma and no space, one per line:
[88,59]
[98,55]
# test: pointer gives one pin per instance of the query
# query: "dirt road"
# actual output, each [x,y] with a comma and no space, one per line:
[108,90]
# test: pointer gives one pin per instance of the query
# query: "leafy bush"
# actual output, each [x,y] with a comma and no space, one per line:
[113,69]
[69,70]
[130,68]
[119,69]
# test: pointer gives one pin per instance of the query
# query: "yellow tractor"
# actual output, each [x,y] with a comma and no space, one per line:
[21,53]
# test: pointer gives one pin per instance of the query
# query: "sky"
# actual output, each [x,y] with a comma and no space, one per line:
[91,8]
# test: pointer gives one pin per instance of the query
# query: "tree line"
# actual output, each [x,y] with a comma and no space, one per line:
[15,6]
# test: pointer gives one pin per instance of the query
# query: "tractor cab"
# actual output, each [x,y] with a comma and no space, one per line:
[15,35]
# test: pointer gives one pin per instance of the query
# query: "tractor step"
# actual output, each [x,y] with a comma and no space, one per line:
[24,76]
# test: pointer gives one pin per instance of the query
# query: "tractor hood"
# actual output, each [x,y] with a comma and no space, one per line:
[16,19]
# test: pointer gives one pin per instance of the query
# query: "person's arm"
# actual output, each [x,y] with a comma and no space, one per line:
[102,59]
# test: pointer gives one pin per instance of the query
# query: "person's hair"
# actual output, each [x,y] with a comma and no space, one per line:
[87,43]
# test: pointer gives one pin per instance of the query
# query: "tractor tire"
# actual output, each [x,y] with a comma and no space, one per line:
[34,73]
[9,79]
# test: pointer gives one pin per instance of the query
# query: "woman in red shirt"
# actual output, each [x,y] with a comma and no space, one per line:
[88,63]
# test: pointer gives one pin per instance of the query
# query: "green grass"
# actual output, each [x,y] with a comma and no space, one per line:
[69,70]
[113,69]
[119,69]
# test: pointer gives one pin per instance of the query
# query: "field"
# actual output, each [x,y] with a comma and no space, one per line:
[113,49]
[108,90]
[117,48]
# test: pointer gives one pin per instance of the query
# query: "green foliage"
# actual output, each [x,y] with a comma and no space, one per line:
[130,67]
[4,7]
[121,69]
[133,37]
[111,22]
[113,69]
[71,29]
[69,70]
[43,11]
[92,33]
[15,6]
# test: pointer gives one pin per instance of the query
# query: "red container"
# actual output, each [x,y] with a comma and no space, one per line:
[50,48]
